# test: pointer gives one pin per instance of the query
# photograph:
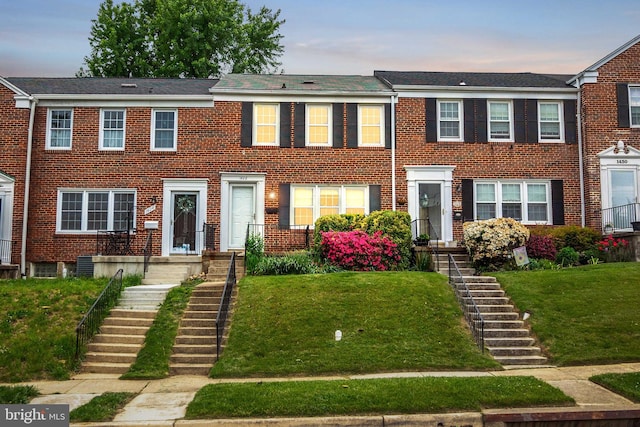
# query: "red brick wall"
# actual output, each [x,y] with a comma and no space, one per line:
[600,123]
[14,123]
[486,160]
[208,143]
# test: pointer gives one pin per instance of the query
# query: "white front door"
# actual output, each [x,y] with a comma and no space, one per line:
[429,196]
[430,210]
[242,212]
[623,193]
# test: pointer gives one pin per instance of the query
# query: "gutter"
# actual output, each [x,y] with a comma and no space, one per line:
[580,159]
[27,184]
[394,99]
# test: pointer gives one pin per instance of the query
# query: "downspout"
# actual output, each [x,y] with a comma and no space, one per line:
[27,184]
[393,152]
[580,159]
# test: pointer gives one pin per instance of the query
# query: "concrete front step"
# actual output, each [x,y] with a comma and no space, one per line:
[198,331]
[105,368]
[503,324]
[508,341]
[189,314]
[104,357]
[198,349]
[209,322]
[500,316]
[138,314]
[126,348]
[479,286]
[195,340]
[495,308]
[486,293]
[105,338]
[514,351]
[128,321]
[521,361]
[198,359]
[190,368]
[487,301]
[505,333]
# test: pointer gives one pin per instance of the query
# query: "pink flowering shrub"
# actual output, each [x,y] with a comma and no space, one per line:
[357,250]
[541,247]
[614,249]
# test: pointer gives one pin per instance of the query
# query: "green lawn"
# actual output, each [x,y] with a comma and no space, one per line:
[367,397]
[627,385]
[37,326]
[583,315]
[390,321]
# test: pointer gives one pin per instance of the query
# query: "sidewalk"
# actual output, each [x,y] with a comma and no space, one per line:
[163,402]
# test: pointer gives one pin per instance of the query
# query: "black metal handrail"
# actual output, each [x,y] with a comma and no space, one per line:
[5,251]
[147,251]
[225,303]
[278,239]
[91,321]
[423,226]
[209,235]
[465,299]
[620,217]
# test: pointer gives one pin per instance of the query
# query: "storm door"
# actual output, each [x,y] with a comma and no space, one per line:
[242,213]
[430,210]
[184,218]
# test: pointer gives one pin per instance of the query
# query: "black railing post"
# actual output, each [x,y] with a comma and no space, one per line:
[90,322]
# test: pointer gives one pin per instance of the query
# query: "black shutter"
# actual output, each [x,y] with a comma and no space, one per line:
[431,119]
[469,121]
[338,125]
[284,205]
[557,202]
[467,200]
[622,90]
[531,106]
[374,198]
[246,124]
[387,125]
[299,125]
[352,125]
[285,125]
[519,123]
[570,122]
[481,120]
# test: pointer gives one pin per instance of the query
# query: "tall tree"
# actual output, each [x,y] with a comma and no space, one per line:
[182,38]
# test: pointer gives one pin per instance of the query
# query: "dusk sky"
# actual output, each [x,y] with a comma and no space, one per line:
[44,38]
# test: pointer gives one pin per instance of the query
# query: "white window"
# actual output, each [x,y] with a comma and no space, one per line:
[318,124]
[527,202]
[93,210]
[112,129]
[549,121]
[266,124]
[500,121]
[164,130]
[634,105]
[59,127]
[450,121]
[370,126]
[313,201]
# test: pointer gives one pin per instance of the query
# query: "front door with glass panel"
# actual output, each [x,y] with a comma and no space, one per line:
[184,219]
[430,210]
[242,213]
[623,195]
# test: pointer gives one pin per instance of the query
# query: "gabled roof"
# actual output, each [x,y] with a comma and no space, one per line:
[111,86]
[485,80]
[293,83]
[591,72]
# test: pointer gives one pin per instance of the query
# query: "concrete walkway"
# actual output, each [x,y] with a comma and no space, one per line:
[163,402]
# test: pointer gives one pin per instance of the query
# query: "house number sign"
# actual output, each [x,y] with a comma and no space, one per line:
[619,161]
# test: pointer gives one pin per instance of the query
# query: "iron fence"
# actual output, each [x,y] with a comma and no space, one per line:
[225,303]
[465,299]
[279,239]
[90,323]
[6,247]
[620,217]
[209,236]
[148,250]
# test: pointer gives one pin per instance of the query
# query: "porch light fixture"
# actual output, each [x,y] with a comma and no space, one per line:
[272,195]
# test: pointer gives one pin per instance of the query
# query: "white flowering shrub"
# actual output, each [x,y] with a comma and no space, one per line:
[490,243]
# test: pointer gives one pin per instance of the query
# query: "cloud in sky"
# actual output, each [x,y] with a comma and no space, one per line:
[44,38]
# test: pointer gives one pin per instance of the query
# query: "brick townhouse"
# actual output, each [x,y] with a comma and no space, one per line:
[174,155]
